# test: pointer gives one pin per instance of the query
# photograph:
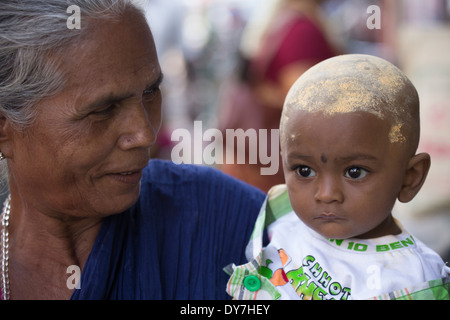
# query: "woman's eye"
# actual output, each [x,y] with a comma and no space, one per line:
[104,111]
[306,172]
[355,173]
[149,94]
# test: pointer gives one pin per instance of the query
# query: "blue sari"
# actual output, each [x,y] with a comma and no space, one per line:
[189,222]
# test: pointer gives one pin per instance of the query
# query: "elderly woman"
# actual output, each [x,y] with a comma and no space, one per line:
[79,111]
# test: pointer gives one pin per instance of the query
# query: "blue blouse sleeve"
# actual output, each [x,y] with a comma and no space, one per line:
[204,220]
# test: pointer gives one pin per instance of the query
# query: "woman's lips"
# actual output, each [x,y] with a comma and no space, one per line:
[129,177]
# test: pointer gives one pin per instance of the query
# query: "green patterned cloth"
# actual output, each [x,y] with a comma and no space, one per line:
[438,289]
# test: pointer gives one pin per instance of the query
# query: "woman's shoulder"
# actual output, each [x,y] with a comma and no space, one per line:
[166,174]
[165,171]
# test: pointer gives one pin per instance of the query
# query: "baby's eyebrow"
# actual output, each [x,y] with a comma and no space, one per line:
[299,156]
[358,156]
[344,159]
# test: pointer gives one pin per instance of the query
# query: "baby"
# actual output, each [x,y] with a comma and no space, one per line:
[349,134]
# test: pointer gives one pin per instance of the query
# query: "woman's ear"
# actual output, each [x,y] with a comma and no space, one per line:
[5,136]
[415,176]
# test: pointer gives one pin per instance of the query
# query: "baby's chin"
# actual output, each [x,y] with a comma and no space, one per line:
[345,235]
[339,233]
[342,228]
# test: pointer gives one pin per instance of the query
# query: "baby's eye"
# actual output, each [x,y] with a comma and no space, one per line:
[356,173]
[305,172]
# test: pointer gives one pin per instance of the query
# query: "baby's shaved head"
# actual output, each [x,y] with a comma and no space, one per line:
[355,82]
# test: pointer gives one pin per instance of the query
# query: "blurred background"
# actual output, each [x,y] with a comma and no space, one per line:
[214,52]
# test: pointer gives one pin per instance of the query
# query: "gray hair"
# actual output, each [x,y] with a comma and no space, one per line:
[32,30]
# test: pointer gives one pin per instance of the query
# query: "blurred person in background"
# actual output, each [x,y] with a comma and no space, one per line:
[279,44]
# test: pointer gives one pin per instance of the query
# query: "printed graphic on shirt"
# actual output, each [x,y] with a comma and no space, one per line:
[310,282]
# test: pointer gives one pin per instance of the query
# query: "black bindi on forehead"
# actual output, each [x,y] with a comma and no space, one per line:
[323,158]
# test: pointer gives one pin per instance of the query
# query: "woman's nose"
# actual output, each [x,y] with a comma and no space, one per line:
[140,127]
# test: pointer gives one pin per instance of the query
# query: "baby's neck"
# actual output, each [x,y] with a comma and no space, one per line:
[387,227]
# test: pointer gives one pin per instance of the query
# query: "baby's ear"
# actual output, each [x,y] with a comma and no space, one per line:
[415,176]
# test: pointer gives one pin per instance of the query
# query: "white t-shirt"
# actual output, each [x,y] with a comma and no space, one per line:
[350,268]
[299,263]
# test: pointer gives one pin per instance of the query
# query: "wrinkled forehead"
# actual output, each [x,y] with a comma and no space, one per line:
[353,83]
